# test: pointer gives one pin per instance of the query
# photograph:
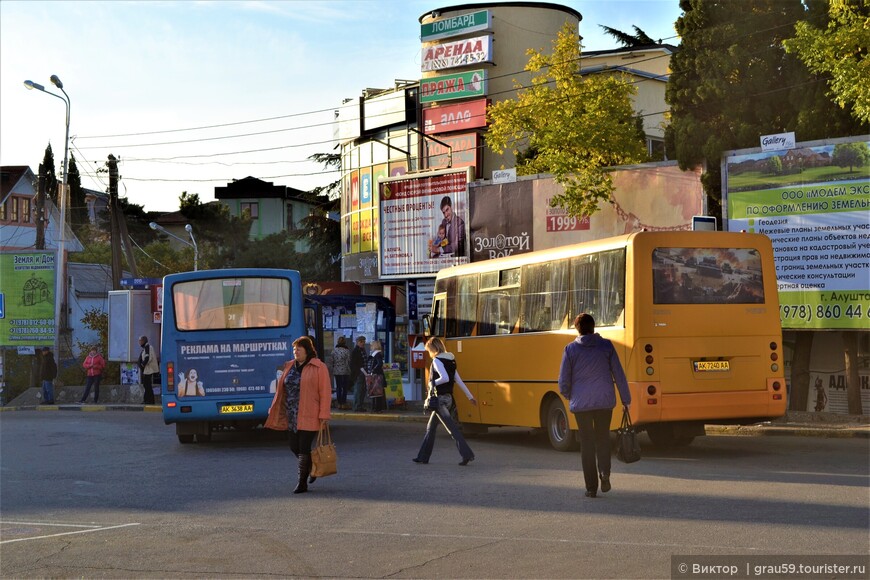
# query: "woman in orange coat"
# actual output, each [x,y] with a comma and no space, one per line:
[301,405]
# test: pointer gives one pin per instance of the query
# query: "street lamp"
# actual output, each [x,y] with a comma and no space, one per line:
[189,229]
[62,201]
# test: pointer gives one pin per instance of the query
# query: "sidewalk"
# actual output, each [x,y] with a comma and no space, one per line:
[795,424]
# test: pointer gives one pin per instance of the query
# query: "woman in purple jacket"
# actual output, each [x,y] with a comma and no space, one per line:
[589,368]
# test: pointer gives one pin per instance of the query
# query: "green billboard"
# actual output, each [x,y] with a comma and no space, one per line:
[27,298]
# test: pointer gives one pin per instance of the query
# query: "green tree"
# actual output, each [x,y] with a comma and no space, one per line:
[46,169]
[220,236]
[639,38]
[851,155]
[732,81]
[774,165]
[574,126]
[77,212]
[839,51]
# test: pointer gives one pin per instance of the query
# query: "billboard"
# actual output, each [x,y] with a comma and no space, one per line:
[456,25]
[513,218]
[423,223]
[813,202]
[27,298]
[456,117]
[456,54]
[461,85]
[463,151]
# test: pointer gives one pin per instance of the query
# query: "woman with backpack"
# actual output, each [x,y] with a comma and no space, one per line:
[442,376]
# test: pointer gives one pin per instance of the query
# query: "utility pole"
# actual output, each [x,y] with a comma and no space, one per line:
[116,229]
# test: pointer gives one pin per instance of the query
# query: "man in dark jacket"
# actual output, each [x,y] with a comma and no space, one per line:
[47,374]
[590,367]
[358,358]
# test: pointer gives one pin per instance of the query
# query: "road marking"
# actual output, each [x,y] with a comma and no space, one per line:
[92,528]
[545,540]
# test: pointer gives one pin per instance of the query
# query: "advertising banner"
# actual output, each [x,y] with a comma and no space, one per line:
[460,85]
[457,117]
[27,298]
[456,25]
[465,52]
[501,220]
[423,223]
[653,196]
[230,367]
[813,202]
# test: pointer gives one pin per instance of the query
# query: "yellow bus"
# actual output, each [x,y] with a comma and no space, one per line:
[694,317]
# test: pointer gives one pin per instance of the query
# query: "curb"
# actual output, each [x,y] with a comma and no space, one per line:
[829,431]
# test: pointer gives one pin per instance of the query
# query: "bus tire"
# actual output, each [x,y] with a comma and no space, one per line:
[560,435]
[666,435]
[185,438]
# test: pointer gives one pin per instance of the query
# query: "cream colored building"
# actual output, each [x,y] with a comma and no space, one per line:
[648,68]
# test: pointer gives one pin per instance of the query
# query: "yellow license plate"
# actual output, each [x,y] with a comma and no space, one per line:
[227,409]
[705,366]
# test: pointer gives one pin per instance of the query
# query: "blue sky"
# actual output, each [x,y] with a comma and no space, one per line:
[132,68]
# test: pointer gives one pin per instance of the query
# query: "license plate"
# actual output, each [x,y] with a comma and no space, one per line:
[227,409]
[707,366]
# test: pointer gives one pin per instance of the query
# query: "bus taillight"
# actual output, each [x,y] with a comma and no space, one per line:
[776,385]
[171,404]
[774,356]
[648,348]
[170,376]
[651,390]
[772,346]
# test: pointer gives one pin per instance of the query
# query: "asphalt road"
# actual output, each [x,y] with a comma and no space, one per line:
[114,495]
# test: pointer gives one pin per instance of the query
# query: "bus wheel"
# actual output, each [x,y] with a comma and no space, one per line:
[560,435]
[662,435]
[666,435]
[186,438]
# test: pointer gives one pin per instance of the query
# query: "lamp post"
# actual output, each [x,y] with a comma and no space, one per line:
[189,229]
[60,285]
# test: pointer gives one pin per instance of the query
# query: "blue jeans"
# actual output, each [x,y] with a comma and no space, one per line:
[48,392]
[442,415]
[93,381]
[594,445]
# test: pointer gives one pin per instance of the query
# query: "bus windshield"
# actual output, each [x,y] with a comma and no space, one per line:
[224,303]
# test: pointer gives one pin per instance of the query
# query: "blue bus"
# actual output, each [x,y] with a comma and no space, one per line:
[226,335]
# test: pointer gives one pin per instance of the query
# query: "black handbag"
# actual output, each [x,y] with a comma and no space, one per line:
[627,445]
[431,403]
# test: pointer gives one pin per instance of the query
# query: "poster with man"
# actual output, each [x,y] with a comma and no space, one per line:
[424,222]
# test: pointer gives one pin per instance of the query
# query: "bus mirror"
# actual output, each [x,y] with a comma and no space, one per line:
[427,328]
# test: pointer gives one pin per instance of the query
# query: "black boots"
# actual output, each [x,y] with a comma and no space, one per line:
[304,470]
[605,482]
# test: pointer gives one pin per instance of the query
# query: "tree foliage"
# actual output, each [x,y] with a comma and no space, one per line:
[569,125]
[851,155]
[77,212]
[732,82]
[46,169]
[839,50]
[639,38]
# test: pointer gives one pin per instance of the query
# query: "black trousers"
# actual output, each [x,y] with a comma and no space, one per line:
[148,385]
[594,444]
[301,441]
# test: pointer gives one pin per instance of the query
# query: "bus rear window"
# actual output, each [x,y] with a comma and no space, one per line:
[225,303]
[707,276]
